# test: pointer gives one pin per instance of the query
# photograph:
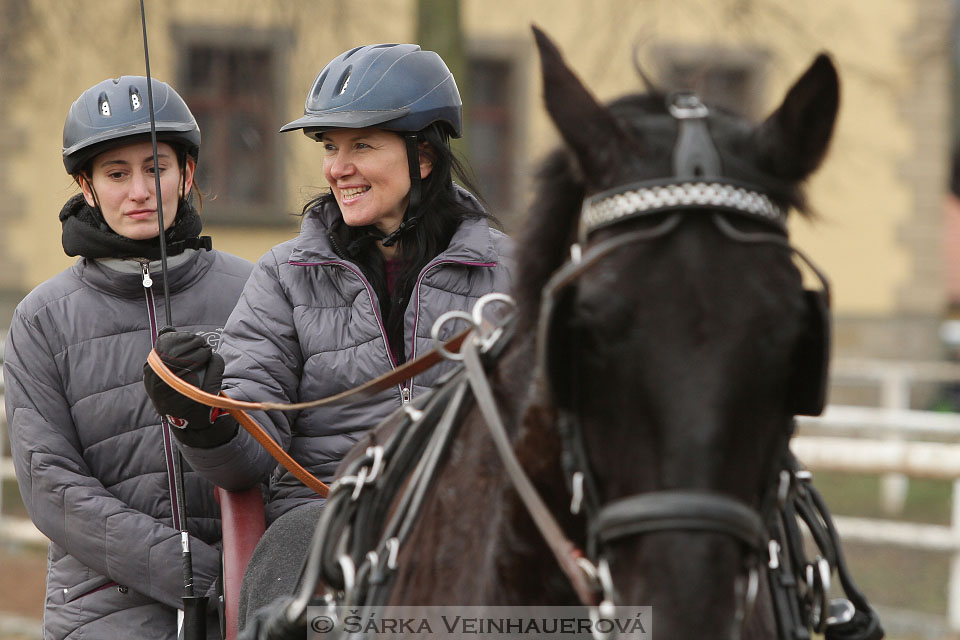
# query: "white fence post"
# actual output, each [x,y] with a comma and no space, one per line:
[953,586]
[894,394]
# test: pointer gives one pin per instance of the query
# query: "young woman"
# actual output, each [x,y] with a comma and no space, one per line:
[392,246]
[89,456]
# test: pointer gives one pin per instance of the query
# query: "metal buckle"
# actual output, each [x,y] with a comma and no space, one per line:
[375,468]
[606,609]
[841,612]
[773,547]
[412,412]
[365,476]
[783,490]
[576,488]
[818,581]
[393,550]
[686,105]
[349,571]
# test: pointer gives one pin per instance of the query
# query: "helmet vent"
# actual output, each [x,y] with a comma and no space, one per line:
[103,105]
[135,100]
[351,52]
[318,86]
[344,81]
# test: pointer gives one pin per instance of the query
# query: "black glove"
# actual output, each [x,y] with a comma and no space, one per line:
[193,360]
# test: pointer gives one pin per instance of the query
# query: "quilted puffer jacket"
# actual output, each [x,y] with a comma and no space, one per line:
[308,325]
[87,443]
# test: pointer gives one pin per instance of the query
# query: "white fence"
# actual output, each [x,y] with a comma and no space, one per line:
[890,439]
[899,443]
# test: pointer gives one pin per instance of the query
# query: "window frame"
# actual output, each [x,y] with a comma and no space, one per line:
[515,54]
[279,42]
[753,61]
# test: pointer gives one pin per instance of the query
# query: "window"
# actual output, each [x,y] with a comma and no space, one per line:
[491,119]
[231,82]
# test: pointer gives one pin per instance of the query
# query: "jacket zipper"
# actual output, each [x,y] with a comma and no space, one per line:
[416,313]
[168,446]
[404,392]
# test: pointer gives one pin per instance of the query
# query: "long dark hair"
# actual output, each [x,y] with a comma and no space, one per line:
[439,215]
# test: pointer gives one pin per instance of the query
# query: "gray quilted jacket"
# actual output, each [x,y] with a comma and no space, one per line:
[308,326]
[87,444]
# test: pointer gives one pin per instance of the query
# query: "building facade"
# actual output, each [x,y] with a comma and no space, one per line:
[245,66]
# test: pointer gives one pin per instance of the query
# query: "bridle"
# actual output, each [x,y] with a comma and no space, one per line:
[687,194]
[769,534]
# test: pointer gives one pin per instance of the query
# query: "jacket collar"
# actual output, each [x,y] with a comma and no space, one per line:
[124,278]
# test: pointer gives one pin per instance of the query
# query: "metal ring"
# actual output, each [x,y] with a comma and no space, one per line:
[484,300]
[487,340]
[435,332]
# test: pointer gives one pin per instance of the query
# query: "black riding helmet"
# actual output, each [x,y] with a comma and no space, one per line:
[397,87]
[115,112]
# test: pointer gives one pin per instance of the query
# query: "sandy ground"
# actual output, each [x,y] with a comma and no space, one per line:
[22,576]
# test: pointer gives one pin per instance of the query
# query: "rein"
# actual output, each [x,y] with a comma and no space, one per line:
[238,408]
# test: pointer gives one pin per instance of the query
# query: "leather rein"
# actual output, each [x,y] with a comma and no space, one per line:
[239,409]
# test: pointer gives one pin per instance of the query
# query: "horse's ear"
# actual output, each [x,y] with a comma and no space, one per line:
[586,125]
[794,139]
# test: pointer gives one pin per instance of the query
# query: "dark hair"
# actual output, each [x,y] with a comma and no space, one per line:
[439,215]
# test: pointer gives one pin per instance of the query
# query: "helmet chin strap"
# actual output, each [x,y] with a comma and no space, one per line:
[416,183]
[97,209]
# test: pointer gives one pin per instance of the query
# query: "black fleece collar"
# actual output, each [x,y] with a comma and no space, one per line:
[85,235]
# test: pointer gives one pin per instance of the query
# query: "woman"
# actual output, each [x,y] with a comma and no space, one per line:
[89,457]
[392,246]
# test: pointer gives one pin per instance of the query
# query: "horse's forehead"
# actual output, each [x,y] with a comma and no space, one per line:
[657,133]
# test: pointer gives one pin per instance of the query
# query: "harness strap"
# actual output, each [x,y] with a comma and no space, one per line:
[563,549]
[679,510]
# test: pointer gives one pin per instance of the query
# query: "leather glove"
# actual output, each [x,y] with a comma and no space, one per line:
[193,360]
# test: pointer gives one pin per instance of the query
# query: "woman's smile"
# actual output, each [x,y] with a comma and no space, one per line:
[368,173]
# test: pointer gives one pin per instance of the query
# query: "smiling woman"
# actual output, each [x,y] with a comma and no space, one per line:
[367,172]
[391,247]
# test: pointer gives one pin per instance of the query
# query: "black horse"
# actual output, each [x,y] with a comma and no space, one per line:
[652,378]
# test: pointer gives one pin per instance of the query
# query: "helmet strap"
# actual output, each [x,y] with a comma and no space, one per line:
[416,183]
[97,211]
[182,187]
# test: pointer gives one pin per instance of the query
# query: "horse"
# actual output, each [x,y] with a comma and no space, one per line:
[647,383]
